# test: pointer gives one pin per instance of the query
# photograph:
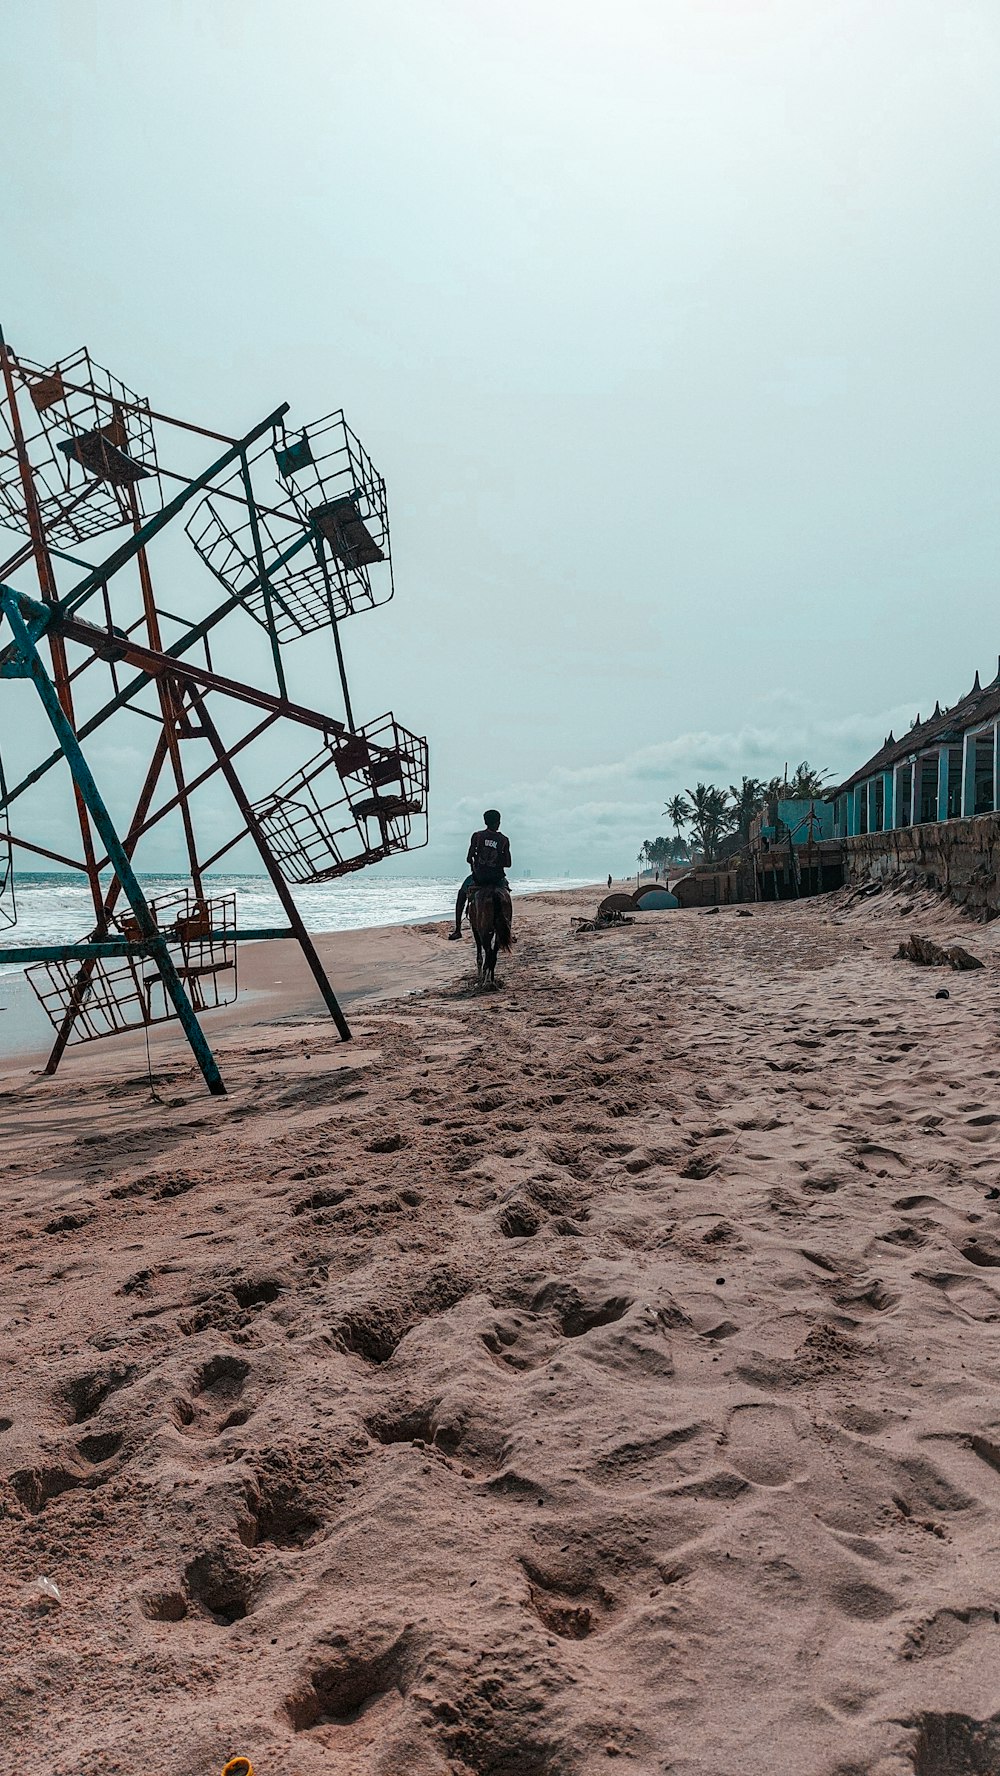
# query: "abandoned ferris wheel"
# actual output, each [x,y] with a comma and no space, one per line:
[293,529]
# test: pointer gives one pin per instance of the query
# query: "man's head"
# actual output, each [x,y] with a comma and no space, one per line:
[492,819]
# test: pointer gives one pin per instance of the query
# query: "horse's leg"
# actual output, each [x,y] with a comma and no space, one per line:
[494,940]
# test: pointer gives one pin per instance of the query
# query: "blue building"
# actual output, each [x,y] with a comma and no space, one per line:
[797,821]
[792,850]
[943,769]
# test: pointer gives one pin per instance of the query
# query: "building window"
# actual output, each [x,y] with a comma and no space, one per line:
[984,774]
[954,782]
[927,790]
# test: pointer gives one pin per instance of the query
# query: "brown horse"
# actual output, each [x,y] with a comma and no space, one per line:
[490,918]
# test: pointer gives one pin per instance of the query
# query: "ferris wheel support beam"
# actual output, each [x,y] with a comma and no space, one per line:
[270,863]
[28,664]
[188,640]
[104,569]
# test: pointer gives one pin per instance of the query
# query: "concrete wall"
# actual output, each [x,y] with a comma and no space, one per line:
[706,888]
[959,857]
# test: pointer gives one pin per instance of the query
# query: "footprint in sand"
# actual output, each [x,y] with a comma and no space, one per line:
[967,1295]
[558,1311]
[983,1250]
[866,1421]
[885,1162]
[213,1407]
[566,1603]
[955,1745]
[862,1601]
[81,1396]
[763,1445]
[904,1236]
[354,1675]
[940,1634]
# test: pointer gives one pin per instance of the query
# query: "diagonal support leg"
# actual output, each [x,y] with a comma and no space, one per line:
[117,856]
[270,864]
[132,837]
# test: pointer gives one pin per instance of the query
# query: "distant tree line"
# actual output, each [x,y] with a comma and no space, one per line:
[708,815]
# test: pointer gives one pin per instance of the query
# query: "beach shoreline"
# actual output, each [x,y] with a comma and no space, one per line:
[364,964]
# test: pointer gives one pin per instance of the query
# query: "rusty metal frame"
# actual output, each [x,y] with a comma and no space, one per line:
[106,472]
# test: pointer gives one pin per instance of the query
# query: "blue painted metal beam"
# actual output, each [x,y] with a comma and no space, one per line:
[149,931]
[117,947]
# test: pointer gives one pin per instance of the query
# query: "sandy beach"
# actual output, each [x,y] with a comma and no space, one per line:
[598,1374]
[275,986]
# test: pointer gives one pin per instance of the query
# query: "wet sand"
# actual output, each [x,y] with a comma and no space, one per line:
[275,986]
[596,1374]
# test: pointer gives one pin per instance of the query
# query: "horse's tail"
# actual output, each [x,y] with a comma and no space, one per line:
[502,919]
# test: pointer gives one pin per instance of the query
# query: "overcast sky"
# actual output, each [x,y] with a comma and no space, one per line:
[672,326]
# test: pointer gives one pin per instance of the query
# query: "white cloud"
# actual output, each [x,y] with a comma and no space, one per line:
[593,817]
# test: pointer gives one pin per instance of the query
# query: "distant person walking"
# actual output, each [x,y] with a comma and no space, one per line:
[609,881]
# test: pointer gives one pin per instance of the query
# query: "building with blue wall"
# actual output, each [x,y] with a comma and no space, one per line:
[944,769]
[797,821]
[793,850]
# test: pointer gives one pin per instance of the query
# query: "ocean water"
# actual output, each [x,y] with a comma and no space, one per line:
[56,908]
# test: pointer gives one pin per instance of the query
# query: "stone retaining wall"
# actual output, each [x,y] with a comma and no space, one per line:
[959,857]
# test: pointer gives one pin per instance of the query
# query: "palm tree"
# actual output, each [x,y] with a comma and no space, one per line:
[747,803]
[806,784]
[660,851]
[678,812]
[710,818]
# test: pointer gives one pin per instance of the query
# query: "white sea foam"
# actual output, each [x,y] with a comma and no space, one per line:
[57,908]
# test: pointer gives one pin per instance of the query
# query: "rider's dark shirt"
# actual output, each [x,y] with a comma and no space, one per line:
[489,855]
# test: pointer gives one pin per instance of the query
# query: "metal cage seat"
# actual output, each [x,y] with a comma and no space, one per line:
[337,565]
[102,457]
[344,524]
[361,799]
[108,997]
[89,440]
[325,463]
[337,491]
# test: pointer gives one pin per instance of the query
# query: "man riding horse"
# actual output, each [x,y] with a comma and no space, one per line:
[488,859]
[487,895]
